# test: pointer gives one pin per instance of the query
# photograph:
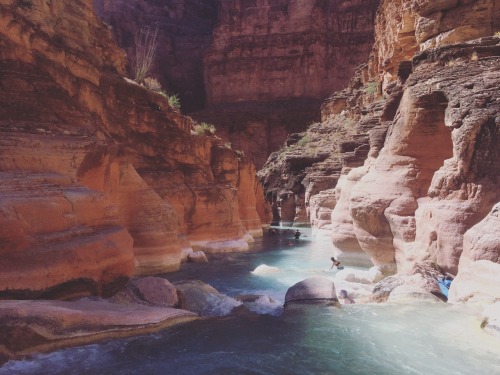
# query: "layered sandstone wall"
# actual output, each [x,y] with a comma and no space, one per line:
[271,63]
[258,70]
[426,105]
[99,175]
[437,174]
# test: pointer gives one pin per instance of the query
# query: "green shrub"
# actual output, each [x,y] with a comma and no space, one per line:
[174,101]
[304,140]
[371,88]
[204,129]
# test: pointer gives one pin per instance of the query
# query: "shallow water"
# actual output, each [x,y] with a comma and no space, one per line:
[424,338]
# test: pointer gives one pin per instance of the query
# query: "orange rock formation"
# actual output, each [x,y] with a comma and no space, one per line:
[99,175]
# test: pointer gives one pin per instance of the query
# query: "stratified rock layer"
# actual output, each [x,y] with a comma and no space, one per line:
[258,70]
[98,175]
[427,107]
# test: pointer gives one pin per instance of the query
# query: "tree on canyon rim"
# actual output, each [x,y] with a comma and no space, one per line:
[145,51]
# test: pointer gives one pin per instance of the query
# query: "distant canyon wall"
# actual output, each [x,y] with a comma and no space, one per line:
[265,70]
[100,178]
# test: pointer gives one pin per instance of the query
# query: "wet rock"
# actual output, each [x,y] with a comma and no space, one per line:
[416,287]
[203,299]
[198,257]
[34,326]
[154,291]
[478,283]
[314,290]
[186,251]
[491,320]
[383,289]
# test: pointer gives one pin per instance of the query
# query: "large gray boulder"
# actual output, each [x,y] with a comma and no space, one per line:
[203,299]
[314,290]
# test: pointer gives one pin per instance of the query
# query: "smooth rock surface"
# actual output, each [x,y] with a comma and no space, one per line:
[314,290]
[203,299]
[33,326]
[198,257]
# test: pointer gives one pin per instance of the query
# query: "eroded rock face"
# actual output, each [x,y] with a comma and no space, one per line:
[272,63]
[436,174]
[99,175]
[257,70]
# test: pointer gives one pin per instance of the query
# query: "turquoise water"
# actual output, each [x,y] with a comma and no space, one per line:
[424,338]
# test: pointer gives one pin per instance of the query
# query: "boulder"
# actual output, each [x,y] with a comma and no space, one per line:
[383,289]
[197,257]
[33,326]
[416,287]
[314,290]
[153,291]
[478,283]
[203,299]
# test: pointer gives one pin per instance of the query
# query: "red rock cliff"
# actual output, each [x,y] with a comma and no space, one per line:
[425,191]
[266,68]
[99,176]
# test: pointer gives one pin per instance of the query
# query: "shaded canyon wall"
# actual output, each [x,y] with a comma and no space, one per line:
[266,68]
[100,178]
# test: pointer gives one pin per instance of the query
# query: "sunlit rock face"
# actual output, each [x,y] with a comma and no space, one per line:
[436,175]
[99,175]
[416,145]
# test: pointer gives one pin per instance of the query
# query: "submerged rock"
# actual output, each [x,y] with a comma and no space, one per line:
[314,290]
[203,299]
[491,320]
[260,304]
[198,257]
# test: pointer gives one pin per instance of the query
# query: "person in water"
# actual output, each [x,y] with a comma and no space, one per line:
[347,300]
[336,263]
[297,234]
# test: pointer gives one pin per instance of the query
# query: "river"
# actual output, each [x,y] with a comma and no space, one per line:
[421,338]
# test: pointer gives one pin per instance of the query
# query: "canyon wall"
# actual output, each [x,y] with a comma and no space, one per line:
[426,105]
[258,70]
[184,32]
[100,178]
